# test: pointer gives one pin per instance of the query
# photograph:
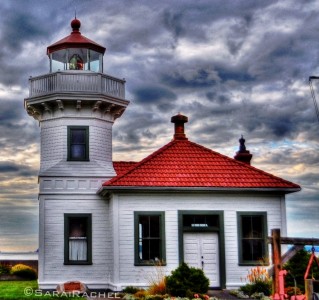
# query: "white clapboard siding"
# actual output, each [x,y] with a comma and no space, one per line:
[51,259]
[126,204]
[54,148]
[113,234]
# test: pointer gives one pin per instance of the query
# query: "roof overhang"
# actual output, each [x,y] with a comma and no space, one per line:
[104,190]
[75,40]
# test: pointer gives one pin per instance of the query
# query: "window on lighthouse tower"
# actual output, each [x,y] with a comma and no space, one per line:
[77,239]
[78,143]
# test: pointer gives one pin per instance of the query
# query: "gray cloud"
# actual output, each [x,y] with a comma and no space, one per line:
[19,222]
[17,129]
[233,67]
[17,170]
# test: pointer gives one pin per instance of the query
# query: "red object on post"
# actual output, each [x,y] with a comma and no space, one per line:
[280,295]
[282,274]
[312,257]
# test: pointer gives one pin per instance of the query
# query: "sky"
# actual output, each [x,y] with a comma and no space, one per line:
[233,67]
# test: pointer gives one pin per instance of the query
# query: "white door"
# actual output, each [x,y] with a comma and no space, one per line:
[201,251]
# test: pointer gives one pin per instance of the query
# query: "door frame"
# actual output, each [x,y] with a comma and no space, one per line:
[218,229]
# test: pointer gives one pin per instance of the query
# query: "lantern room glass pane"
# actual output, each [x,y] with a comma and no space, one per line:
[76,59]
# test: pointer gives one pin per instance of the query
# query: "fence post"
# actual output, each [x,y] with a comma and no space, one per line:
[309,289]
[276,257]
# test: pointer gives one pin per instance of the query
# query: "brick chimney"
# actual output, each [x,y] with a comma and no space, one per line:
[179,121]
[242,154]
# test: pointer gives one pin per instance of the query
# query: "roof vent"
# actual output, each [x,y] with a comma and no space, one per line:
[179,121]
[242,154]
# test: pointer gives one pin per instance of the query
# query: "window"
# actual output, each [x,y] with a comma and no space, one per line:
[149,238]
[77,239]
[252,237]
[78,143]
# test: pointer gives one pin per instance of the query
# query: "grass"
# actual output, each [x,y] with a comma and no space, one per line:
[25,290]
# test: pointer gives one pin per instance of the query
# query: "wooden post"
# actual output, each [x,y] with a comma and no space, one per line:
[309,289]
[276,256]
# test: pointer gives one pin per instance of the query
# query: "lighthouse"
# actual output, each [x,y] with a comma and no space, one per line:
[76,105]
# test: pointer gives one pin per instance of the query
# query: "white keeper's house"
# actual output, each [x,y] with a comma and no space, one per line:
[106,223]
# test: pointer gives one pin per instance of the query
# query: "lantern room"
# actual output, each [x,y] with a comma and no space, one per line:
[76,52]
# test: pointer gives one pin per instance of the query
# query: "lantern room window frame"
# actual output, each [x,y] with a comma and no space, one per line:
[60,60]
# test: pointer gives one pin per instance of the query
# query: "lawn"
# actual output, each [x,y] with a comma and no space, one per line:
[25,290]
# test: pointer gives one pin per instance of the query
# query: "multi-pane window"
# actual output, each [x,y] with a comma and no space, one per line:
[252,237]
[149,237]
[77,238]
[78,143]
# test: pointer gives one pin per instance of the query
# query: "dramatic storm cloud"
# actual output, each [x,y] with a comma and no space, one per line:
[233,67]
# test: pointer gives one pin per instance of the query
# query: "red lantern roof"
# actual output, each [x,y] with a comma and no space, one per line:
[75,40]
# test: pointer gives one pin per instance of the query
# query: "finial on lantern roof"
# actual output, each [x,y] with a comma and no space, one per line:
[75,24]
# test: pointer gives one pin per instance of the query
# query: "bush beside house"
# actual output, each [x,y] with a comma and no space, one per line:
[17,272]
[184,282]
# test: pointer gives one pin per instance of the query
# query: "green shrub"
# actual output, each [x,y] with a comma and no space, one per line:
[131,290]
[141,294]
[246,289]
[259,282]
[156,297]
[296,268]
[4,269]
[257,287]
[185,280]
[239,294]
[129,297]
[24,272]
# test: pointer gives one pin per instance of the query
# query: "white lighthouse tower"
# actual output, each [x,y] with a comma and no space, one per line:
[76,105]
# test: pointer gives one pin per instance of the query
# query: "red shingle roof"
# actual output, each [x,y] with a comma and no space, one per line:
[184,164]
[123,166]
